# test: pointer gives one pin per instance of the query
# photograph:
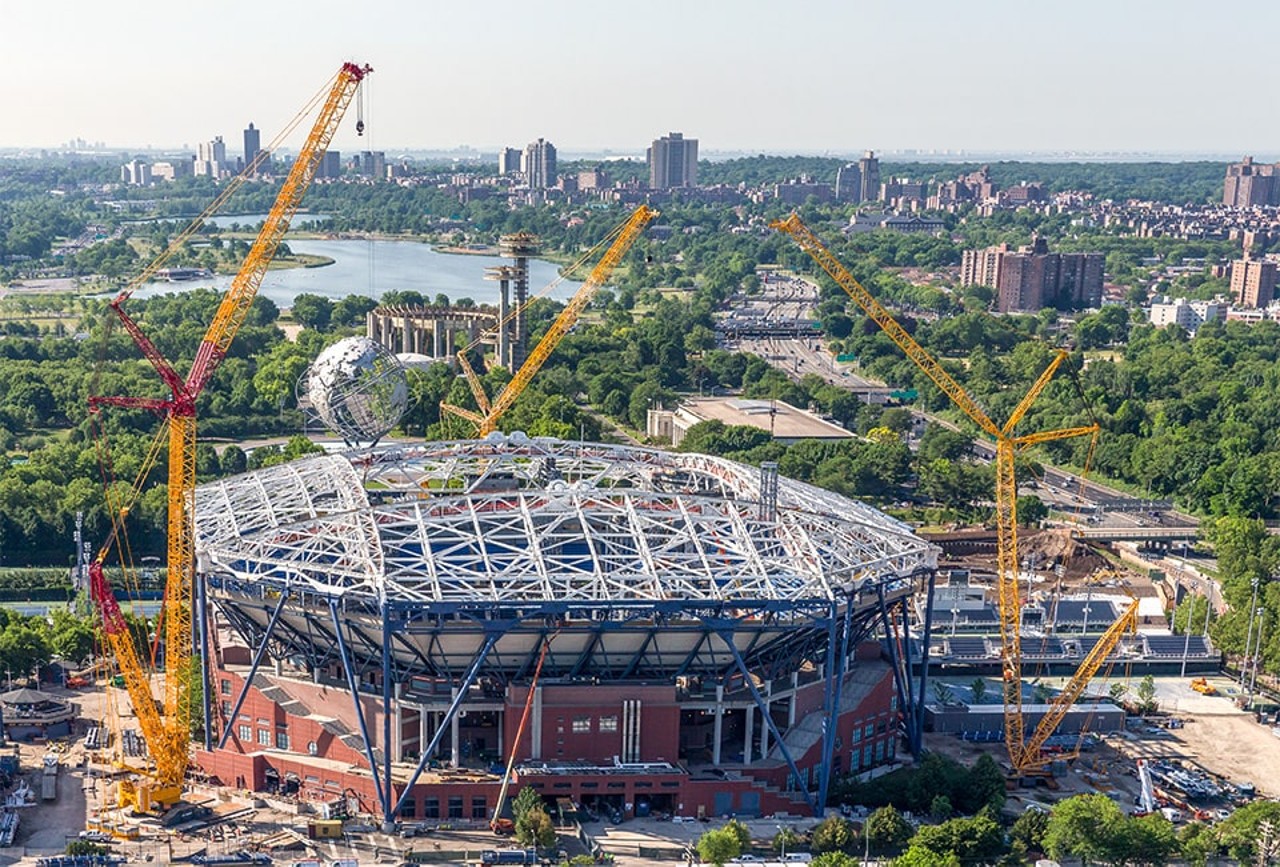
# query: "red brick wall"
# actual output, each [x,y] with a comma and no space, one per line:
[562,705]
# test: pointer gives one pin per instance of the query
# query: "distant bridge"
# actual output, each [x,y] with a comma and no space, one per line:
[1137,534]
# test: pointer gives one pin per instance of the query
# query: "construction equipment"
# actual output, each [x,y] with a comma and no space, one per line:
[167,727]
[486,420]
[501,824]
[1202,686]
[1025,755]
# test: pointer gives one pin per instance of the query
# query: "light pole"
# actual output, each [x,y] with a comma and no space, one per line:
[1248,642]
[1257,653]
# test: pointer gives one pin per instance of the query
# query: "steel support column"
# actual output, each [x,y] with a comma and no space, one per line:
[908,710]
[388,821]
[727,638]
[831,704]
[894,661]
[490,640]
[354,689]
[253,669]
[202,623]
[918,746]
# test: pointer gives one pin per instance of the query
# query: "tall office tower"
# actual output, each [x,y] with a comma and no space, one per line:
[509,161]
[673,162]
[252,147]
[869,168]
[540,164]
[1253,282]
[849,183]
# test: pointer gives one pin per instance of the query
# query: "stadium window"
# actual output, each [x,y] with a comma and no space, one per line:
[882,727]
[893,702]
[313,748]
[225,686]
[581,725]
[608,724]
[879,751]
[431,808]
[409,810]
[264,737]
[245,734]
[479,807]
[282,740]
[455,807]
[869,730]
[226,708]
[856,736]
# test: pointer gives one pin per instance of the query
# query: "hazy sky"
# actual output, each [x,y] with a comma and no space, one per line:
[787,75]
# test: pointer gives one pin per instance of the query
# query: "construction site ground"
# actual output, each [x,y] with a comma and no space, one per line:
[1215,737]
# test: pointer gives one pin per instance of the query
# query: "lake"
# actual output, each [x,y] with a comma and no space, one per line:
[374,267]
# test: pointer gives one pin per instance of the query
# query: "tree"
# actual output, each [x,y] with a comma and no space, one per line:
[535,828]
[940,808]
[887,830]
[718,846]
[833,833]
[979,689]
[1198,843]
[1146,693]
[741,832]
[525,800]
[919,856]
[312,311]
[786,839]
[1031,510]
[977,840]
[1240,833]
[833,859]
[1082,826]
[1029,830]
[984,786]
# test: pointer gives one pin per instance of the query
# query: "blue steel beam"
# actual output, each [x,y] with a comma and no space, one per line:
[354,689]
[388,675]
[202,623]
[831,704]
[727,637]
[489,641]
[894,662]
[253,670]
[924,666]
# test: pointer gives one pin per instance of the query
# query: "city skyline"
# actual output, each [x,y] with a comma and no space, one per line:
[746,76]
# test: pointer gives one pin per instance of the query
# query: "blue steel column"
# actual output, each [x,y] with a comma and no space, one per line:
[490,640]
[924,666]
[908,710]
[202,623]
[835,677]
[893,649]
[388,815]
[727,638]
[253,669]
[355,699]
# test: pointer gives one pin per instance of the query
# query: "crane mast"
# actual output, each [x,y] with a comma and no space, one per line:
[168,735]
[486,420]
[1024,755]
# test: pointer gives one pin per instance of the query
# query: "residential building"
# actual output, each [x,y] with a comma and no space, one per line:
[900,191]
[673,162]
[252,147]
[849,183]
[373,164]
[1186,314]
[330,167]
[509,161]
[869,171]
[799,192]
[211,158]
[1032,277]
[1253,282]
[593,179]
[135,173]
[1250,185]
[540,164]
[169,170]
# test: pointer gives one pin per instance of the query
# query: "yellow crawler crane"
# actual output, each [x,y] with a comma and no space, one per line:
[1026,755]
[167,728]
[486,420]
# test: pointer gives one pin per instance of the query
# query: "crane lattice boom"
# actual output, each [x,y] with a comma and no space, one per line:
[168,734]
[1024,755]
[488,422]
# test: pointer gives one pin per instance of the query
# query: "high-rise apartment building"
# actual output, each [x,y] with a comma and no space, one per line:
[1250,185]
[869,169]
[1032,277]
[211,158]
[849,183]
[1253,282]
[673,162]
[540,164]
[252,147]
[373,164]
[330,166]
[593,179]
[509,161]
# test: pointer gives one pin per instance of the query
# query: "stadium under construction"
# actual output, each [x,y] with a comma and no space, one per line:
[683,634]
